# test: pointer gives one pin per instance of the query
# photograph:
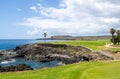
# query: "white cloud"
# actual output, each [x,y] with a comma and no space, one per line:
[111,20]
[34,8]
[76,17]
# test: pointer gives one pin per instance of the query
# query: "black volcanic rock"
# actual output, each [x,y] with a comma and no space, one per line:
[65,53]
[48,52]
[6,54]
[20,67]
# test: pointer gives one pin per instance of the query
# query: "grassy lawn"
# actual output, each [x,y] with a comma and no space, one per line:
[94,45]
[107,71]
[90,70]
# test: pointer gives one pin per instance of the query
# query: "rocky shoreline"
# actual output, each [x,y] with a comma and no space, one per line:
[19,67]
[48,52]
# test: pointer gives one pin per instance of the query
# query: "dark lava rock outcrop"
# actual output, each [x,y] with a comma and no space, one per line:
[6,54]
[20,67]
[48,52]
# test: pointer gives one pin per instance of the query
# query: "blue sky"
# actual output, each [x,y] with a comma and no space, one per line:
[28,19]
[11,12]
[14,11]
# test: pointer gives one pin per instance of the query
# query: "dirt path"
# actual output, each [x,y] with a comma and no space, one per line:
[111,46]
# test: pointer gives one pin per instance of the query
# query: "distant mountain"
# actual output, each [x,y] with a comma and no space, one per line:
[62,37]
[67,37]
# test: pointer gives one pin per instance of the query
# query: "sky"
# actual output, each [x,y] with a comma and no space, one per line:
[29,19]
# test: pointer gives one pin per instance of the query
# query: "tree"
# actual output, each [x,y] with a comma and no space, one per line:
[118,36]
[45,35]
[112,31]
[115,38]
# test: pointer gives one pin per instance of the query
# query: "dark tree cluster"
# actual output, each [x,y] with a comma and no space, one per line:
[115,36]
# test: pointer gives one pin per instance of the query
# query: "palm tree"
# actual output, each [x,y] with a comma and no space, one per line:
[112,31]
[45,35]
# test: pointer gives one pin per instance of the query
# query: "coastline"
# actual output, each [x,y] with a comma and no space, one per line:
[47,52]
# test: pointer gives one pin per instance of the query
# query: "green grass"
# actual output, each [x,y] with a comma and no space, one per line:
[90,70]
[107,71]
[114,50]
[94,45]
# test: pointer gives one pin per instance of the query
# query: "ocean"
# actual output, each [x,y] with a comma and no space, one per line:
[12,43]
